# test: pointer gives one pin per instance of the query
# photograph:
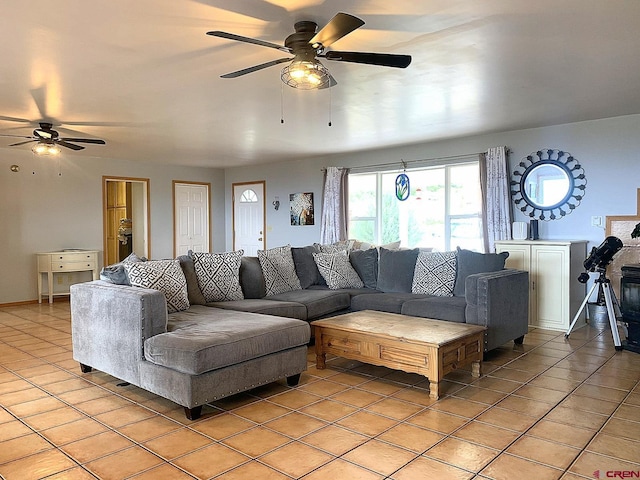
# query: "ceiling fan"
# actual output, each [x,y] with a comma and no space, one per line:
[47,140]
[307,44]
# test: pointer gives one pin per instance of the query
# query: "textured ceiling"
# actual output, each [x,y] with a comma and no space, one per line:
[145,77]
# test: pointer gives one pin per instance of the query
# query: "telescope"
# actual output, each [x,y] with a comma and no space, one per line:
[600,257]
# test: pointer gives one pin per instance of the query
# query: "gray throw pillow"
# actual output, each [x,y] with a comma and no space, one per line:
[116,273]
[365,263]
[470,263]
[435,274]
[306,267]
[193,289]
[395,270]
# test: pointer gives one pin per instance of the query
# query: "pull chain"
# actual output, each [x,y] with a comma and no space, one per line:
[281,102]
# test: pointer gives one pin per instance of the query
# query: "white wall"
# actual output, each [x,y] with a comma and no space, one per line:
[50,205]
[608,150]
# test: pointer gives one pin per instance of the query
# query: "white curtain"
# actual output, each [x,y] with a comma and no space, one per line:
[334,205]
[496,197]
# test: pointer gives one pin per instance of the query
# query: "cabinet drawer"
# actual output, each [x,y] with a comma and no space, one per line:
[72,258]
[58,266]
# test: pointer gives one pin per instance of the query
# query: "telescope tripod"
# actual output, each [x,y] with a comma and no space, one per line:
[603,284]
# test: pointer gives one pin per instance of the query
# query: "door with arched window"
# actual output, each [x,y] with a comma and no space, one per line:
[249,217]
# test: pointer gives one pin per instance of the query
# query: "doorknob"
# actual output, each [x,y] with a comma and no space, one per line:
[260,239]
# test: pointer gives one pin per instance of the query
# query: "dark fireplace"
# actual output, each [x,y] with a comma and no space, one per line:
[630,305]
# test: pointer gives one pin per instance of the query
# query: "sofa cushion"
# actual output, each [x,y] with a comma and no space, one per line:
[193,289]
[337,271]
[395,270]
[319,302]
[267,307]
[365,263]
[451,309]
[218,275]
[251,278]
[163,275]
[202,339]
[470,263]
[382,302]
[435,273]
[306,267]
[279,270]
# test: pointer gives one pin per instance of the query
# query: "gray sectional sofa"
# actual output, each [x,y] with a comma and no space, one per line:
[191,350]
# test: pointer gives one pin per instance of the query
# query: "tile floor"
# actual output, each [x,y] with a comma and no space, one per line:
[546,410]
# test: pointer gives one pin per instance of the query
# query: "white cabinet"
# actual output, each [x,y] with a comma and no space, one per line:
[66,261]
[555,294]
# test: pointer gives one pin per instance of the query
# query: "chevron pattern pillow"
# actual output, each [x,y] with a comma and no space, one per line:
[279,270]
[218,275]
[337,270]
[163,275]
[435,273]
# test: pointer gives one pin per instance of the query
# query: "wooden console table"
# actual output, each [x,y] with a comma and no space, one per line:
[66,261]
[428,347]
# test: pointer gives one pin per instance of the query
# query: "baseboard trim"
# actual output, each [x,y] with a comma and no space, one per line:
[32,302]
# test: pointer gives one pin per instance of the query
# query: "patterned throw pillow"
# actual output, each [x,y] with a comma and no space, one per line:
[218,275]
[335,247]
[337,271]
[163,275]
[279,270]
[435,273]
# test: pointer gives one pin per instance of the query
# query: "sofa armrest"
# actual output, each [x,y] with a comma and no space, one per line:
[109,324]
[500,301]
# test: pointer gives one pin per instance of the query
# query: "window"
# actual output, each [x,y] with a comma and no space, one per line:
[248,196]
[443,210]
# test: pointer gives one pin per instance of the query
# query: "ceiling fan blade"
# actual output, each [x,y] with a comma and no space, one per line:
[22,143]
[239,38]
[39,96]
[339,26]
[382,59]
[15,136]
[14,119]
[69,145]
[255,68]
[83,140]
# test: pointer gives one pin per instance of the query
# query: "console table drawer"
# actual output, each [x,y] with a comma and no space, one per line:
[72,266]
[72,258]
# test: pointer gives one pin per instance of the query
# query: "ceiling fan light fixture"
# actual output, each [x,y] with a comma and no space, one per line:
[45,148]
[306,75]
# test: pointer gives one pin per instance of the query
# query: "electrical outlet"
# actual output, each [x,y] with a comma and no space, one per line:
[596,221]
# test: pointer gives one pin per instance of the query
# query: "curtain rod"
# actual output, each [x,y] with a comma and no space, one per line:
[404,163]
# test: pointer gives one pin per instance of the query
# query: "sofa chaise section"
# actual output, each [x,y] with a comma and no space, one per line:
[191,357]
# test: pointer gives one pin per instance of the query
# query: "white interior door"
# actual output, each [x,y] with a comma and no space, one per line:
[248,218]
[191,217]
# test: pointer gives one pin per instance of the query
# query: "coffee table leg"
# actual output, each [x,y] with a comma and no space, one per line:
[476,369]
[434,389]
[321,357]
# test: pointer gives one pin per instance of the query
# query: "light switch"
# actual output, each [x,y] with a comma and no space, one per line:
[596,221]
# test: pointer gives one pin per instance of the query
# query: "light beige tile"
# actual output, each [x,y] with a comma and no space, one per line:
[223,426]
[39,465]
[262,411]
[339,469]
[413,438]
[438,421]
[487,435]
[459,453]
[334,440]
[295,424]
[507,419]
[427,468]
[23,446]
[544,451]
[97,446]
[123,463]
[559,432]
[588,462]
[507,467]
[256,441]
[296,459]
[328,410]
[250,470]
[394,408]
[380,457]
[614,446]
[367,423]
[210,461]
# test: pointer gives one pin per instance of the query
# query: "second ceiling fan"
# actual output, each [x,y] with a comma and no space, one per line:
[307,44]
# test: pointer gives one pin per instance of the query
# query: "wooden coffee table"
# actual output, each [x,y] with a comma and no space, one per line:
[425,346]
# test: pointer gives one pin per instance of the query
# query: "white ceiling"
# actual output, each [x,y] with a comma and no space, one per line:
[145,77]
